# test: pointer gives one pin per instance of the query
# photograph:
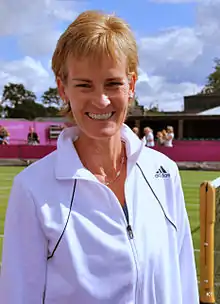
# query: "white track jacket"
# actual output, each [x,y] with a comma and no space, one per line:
[68,241]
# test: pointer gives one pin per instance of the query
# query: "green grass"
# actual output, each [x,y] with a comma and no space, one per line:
[190,180]
[6,178]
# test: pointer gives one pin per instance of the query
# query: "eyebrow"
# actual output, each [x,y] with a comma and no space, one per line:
[81,79]
[115,78]
[108,79]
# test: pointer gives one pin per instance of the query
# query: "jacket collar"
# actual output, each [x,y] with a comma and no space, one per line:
[68,164]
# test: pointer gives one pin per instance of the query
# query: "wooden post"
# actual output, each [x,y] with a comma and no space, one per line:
[180,128]
[207,223]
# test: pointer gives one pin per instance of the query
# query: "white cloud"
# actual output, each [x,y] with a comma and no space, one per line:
[208,20]
[178,60]
[179,45]
[28,71]
[174,62]
[164,57]
[168,96]
[19,17]
[34,23]
[24,16]
[35,26]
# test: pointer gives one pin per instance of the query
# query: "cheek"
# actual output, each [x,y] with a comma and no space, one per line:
[121,102]
[75,100]
[76,106]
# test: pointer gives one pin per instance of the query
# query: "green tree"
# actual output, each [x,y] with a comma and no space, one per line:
[1,110]
[213,84]
[14,94]
[28,109]
[136,101]
[152,108]
[52,111]
[18,102]
[51,97]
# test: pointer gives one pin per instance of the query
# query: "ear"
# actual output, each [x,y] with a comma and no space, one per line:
[132,82]
[61,89]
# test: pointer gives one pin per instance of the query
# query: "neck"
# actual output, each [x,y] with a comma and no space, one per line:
[101,157]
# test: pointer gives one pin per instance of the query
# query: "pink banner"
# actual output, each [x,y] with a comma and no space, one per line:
[24,152]
[19,129]
[192,153]
[183,150]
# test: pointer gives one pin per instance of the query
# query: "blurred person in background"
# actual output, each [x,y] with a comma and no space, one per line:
[136,131]
[93,222]
[4,136]
[168,142]
[164,133]
[1,135]
[160,139]
[32,137]
[148,138]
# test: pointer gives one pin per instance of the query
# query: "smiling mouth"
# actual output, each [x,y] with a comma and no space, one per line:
[104,116]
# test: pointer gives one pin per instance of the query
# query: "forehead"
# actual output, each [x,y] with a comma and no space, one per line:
[97,67]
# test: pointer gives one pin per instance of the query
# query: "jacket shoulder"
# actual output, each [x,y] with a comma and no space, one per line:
[38,172]
[156,160]
[163,176]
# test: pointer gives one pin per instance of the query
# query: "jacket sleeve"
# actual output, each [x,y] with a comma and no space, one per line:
[186,251]
[24,256]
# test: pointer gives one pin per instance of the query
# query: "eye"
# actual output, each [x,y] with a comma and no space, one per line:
[114,84]
[83,85]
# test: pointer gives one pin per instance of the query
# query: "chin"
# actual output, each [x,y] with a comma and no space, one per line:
[102,132]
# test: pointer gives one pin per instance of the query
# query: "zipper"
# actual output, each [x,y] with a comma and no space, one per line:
[133,248]
[128,228]
[130,232]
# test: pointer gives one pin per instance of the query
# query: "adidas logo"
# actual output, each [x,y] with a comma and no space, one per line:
[162,173]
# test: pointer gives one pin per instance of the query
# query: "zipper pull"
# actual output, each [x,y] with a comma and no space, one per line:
[130,232]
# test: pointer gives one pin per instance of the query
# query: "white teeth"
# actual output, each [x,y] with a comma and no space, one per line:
[100,116]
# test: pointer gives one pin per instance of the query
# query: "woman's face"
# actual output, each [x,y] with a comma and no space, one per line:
[98,93]
[159,135]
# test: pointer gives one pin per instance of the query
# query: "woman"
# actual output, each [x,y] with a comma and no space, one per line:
[4,136]
[148,138]
[136,131]
[32,137]
[90,223]
[169,137]
[160,139]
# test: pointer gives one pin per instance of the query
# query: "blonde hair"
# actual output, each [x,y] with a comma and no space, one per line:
[94,34]
[148,129]
[170,128]
[164,132]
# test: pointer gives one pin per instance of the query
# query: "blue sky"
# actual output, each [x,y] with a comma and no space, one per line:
[147,17]
[177,43]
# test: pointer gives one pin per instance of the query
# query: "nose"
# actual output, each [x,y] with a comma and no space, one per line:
[101,101]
